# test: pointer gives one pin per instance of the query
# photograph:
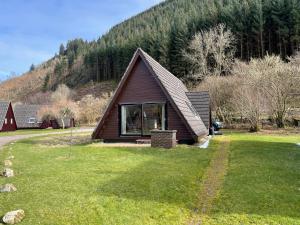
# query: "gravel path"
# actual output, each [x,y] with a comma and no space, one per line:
[7,139]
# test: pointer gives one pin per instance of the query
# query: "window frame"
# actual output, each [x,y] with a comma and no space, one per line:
[141,105]
[120,121]
[32,120]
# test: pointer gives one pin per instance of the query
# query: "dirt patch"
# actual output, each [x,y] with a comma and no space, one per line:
[63,141]
[212,183]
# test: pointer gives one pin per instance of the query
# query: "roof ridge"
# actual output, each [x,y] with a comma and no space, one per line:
[155,61]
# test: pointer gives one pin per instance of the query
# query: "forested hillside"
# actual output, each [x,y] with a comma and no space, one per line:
[164,31]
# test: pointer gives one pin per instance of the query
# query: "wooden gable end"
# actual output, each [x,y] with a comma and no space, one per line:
[10,124]
[139,87]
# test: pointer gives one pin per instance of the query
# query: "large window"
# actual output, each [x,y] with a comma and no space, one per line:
[131,120]
[140,119]
[153,117]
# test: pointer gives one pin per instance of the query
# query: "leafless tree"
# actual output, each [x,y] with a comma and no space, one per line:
[92,108]
[61,106]
[221,91]
[211,52]
[280,83]
[248,102]
[273,82]
[62,93]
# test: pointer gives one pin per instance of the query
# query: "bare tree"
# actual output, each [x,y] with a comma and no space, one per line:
[62,93]
[46,113]
[211,52]
[221,91]
[273,82]
[267,86]
[280,81]
[294,62]
[61,106]
[92,108]
[249,104]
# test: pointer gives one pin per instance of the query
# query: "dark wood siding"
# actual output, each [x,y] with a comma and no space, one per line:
[141,87]
[10,118]
[175,123]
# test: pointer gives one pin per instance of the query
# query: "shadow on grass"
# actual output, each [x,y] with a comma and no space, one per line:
[169,176]
[263,179]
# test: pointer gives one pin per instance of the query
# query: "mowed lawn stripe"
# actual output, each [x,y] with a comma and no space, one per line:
[263,182]
[212,180]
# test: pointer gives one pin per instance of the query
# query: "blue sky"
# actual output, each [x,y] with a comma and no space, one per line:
[32,30]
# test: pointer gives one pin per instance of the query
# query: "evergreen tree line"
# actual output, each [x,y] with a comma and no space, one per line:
[164,31]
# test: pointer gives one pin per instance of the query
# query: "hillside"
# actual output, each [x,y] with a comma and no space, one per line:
[19,88]
[263,26]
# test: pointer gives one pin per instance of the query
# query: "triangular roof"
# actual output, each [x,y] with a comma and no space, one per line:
[3,111]
[24,112]
[173,88]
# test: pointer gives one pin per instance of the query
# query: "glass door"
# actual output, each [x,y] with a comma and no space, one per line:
[131,120]
[140,119]
[153,117]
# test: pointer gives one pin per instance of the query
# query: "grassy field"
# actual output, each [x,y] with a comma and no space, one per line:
[262,185]
[88,184]
[32,131]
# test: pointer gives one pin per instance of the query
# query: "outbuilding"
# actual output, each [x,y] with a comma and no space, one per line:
[149,97]
[7,118]
[27,117]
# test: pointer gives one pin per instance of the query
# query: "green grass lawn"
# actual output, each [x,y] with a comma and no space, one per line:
[89,185]
[263,182]
[31,131]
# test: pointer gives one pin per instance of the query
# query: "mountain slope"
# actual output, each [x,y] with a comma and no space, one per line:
[260,26]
